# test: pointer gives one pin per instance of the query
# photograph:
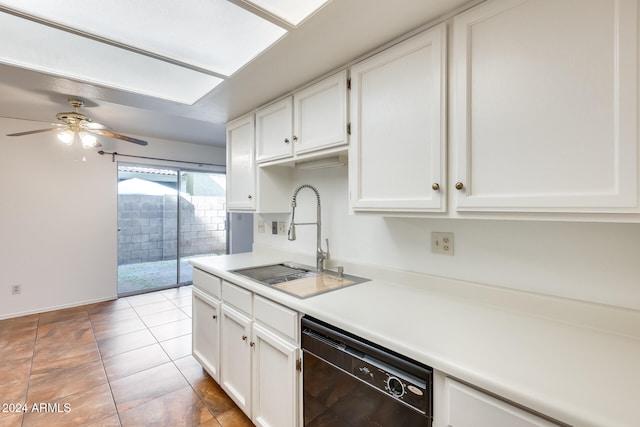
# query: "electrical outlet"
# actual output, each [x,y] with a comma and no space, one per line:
[442,243]
[260,225]
[16,289]
[282,228]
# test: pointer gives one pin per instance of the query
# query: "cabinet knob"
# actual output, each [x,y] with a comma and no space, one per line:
[214,317]
[244,338]
[250,196]
[252,343]
[435,186]
[295,138]
[459,186]
[286,140]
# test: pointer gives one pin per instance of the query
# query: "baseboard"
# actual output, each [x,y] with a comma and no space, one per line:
[59,307]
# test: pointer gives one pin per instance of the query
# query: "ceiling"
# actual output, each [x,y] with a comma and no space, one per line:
[336,35]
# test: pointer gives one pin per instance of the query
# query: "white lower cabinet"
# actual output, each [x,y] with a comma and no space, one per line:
[275,380]
[206,332]
[467,407]
[235,357]
[250,346]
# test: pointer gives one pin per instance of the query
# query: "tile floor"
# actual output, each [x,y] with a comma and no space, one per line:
[119,363]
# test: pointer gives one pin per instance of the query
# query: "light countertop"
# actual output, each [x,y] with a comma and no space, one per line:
[574,361]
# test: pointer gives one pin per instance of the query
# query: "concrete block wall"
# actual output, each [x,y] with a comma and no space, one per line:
[148,231]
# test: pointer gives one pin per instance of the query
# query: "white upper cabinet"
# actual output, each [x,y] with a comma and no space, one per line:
[241,170]
[250,188]
[313,119]
[273,131]
[320,114]
[397,148]
[545,113]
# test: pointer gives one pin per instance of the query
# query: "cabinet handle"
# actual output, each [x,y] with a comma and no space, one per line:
[252,343]
[244,338]
[215,316]
[250,196]
[435,186]
[459,186]
[286,140]
[295,138]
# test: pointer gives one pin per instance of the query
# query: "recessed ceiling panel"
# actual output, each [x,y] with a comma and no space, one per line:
[26,44]
[290,11]
[215,35]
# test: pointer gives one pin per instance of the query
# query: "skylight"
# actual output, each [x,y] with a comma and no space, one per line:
[177,50]
[290,11]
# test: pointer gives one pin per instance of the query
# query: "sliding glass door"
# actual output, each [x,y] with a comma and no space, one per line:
[202,218]
[165,217]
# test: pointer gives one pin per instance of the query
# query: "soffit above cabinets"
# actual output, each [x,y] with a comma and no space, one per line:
[143,46]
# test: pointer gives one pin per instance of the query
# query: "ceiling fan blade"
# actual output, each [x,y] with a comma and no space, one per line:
[29,132]
[93,125]
[118,136]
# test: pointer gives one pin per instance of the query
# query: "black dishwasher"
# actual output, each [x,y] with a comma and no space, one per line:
[351,382]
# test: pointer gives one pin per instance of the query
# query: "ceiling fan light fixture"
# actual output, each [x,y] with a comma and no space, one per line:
[66,137]
[88,140]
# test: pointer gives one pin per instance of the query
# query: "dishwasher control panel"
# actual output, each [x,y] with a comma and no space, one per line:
[395,383]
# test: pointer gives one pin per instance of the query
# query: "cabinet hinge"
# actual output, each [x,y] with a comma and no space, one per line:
[299,365]
[349,128]
[349,83]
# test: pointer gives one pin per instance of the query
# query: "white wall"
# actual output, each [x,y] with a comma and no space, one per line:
[596,262]
[58,217]
[58,233]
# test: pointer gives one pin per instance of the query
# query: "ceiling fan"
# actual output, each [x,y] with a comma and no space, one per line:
[78,126]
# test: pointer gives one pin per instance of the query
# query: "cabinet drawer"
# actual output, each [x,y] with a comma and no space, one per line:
[277,317]
[468,407]
[207,282]
[236,296]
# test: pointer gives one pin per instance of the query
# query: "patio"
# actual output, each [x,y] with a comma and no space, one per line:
[147,276]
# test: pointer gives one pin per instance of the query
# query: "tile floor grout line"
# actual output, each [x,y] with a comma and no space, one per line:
[47,326]
[171,360]
[33,355]
[185,377]
[113,399]
[163,350]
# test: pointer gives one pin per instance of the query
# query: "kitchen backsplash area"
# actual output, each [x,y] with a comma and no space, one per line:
[596,262]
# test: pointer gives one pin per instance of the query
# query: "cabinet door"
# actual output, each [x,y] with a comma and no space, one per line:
[273,131]
[275,380]
[468,407]
[235,357]
[397,147]
[241,171]
[545,106]
[320,114]
[206,332]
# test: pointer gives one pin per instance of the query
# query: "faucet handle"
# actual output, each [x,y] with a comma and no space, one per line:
[326,254]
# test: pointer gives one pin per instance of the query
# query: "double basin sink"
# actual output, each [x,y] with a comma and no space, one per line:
[297,279]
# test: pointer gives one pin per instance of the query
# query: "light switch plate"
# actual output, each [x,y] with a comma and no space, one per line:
[282,228]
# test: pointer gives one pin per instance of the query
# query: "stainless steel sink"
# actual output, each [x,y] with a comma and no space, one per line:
[299,280]
[277,273]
